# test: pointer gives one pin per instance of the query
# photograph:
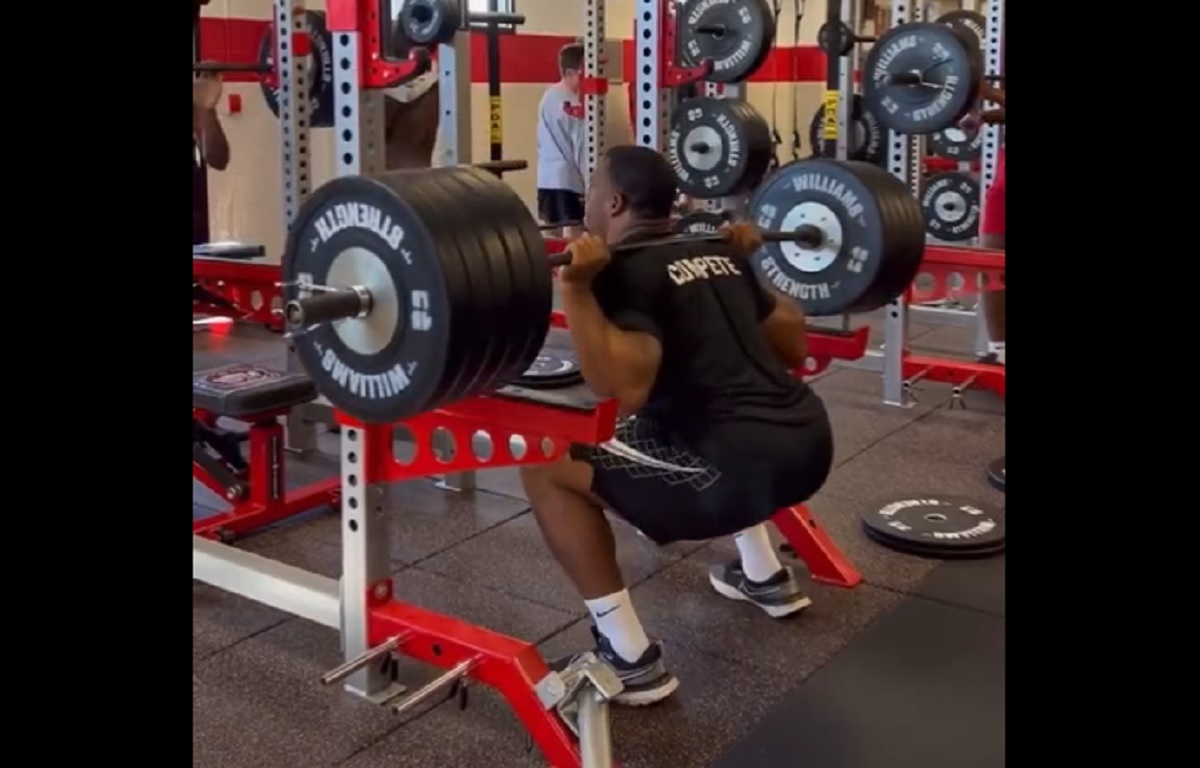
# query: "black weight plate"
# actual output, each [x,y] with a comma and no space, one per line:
[483,260]
[700,223]
[355,229]
[950,72]
[912,548]
[824,33]
[967,21]
[552,369]
[747,31]
[935,524]
[995,473]
[531,280]
[430,22]
[950,202]
[866,134]
[875,238]
[320,71]
[717,147]
[960,143]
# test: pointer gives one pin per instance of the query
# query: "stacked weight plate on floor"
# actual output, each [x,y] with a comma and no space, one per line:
[950,202]
[718,147]
[995,473]
[866,133]
[554,368]
[736,35]
[320,71]
[460,292]
[873,235]
[936,526]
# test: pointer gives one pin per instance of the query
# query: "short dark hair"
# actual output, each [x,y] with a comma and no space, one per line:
[570,56]
[644,178]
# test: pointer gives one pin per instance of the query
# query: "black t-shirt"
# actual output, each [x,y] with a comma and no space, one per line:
[705,306]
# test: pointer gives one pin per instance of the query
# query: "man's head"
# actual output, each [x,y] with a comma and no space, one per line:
[570,65]
[631,185]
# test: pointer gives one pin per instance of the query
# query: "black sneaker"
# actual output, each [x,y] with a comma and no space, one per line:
[646,680]
[779,595]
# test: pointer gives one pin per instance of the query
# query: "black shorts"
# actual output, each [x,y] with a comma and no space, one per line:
[713,491]
[557,207]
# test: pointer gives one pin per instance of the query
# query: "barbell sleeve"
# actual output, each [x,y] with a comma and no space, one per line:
[492,17]
[218,66]
[328,306]
[806,235]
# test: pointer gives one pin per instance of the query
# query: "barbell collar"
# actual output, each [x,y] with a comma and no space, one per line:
[342,304]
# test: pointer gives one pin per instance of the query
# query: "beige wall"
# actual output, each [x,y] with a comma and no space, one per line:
[245,201]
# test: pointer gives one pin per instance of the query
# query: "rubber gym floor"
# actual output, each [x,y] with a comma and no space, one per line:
[906,669]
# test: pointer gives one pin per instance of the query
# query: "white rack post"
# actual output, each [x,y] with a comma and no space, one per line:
[650,104]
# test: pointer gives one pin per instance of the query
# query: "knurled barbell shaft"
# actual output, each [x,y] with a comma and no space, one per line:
[217,66]
[327,306]
[346,303]
[806,235]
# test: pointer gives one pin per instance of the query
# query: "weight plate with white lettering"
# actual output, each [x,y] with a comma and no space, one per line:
[962,143]
[552,369]
[951,205]
[995,473]
[971,22]
[320,70]
[866,134]
[936,526]
[874,235]
[735,34]
[700,223]
[458,303]
[718,147]
[921,78]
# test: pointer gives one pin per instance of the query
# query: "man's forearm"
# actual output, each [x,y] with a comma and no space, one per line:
[213,144]
[589,330]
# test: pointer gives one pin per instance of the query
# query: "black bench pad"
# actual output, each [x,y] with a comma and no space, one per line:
[246,389]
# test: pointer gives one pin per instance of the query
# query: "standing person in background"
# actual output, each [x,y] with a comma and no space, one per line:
[411,115]
[210,148]
[561,147]
[991,231]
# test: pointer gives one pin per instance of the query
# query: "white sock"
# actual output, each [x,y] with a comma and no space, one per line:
[997,349]
[759,561]
[616,620]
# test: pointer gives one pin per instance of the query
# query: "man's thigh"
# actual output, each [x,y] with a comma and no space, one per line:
[664,489]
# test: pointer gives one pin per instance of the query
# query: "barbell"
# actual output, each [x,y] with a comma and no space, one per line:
[410,290]
[355,301]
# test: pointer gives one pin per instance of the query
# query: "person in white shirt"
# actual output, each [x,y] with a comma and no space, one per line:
[561,147]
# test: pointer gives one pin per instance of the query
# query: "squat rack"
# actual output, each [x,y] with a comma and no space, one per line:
[564,712]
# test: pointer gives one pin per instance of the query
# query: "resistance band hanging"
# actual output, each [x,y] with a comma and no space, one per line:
[795,78]
[833,80]
[495,111]
[776,139]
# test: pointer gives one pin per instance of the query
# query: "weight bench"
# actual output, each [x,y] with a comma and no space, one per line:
[255,488]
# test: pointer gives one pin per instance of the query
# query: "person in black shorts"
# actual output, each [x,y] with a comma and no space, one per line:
[716,433]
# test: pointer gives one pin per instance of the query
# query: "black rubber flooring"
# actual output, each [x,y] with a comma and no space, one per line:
[906,668]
